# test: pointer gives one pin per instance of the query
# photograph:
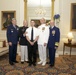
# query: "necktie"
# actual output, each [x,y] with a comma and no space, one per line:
[32,35]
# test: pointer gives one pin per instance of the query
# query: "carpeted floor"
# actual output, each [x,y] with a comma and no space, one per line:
[64,65]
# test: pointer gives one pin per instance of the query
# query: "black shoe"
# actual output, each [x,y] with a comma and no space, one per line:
[27,61]
[34,64]
[47,62]
[51,65]
[11,63]
[22,62]
[29,64]
[15,61]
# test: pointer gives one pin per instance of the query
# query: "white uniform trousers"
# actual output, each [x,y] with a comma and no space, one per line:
[42,53]
[24,53]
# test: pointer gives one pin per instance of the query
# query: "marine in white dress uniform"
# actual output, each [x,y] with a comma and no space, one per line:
[23,42]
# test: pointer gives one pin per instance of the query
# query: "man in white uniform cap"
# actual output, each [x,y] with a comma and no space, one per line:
[42,41]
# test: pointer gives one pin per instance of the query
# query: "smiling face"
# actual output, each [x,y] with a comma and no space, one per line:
[25,23]
[32,23]
[52,23]
[42,21]
[14,22]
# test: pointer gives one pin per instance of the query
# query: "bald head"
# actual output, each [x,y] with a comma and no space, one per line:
[42,21]
[52,23]
[25,23]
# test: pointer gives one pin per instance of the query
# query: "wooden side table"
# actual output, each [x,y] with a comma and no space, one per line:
[3,43]
[69,45]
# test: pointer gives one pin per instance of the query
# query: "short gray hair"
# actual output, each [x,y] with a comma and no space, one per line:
[13,19]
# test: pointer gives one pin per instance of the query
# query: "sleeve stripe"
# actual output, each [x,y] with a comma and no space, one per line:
[56,43]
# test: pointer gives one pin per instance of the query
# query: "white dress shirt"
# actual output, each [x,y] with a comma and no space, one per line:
[35,32]
[52,27]
[43,34]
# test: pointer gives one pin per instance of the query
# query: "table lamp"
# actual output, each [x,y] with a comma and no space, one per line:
[70,37]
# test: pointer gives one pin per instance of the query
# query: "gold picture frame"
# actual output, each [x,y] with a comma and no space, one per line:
[73,17]
[6,18]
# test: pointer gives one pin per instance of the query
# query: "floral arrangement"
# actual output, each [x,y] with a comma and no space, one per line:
[57,18]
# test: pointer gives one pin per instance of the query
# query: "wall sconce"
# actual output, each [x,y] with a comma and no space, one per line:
[70,37]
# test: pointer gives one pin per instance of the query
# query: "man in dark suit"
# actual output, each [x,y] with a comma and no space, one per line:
[12,38]
[53,42]
[23,42]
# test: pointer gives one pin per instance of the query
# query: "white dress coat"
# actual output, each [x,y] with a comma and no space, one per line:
[43,34]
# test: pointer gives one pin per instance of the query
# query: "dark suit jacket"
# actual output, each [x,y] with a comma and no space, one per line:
[12,34]
[22,39]
[54,36]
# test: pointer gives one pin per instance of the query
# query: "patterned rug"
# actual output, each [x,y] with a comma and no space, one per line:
[65,65]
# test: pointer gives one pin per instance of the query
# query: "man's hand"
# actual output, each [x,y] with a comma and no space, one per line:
[32,43]
[10,43]
[24,34]
[18,42]
[56,47]
[45,44]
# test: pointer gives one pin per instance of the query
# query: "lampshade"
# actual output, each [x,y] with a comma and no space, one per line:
[70,35]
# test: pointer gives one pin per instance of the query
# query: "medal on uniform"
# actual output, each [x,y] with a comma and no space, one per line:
[43,28]
[12,30]
[53,32]
[17,28]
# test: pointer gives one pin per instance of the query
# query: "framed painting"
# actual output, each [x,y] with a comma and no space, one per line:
[7,18]
[73,17]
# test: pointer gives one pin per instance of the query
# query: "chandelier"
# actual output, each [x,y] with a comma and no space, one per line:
[40,11]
